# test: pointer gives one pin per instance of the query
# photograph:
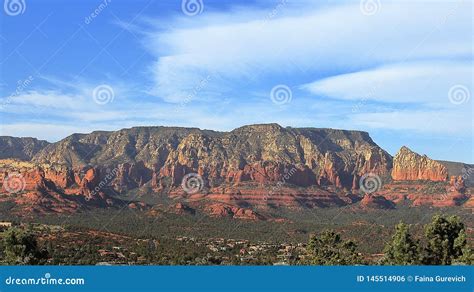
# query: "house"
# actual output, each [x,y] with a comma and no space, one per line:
[5,225]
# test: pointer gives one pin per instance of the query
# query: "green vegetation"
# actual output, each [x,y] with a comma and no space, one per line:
[39,244]
[444,243]
[432,187]
[329,249]
[20,247]
[403,249]
[352,224]
[101,237]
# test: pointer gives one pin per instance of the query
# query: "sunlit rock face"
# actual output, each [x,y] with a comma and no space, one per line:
[261,153]
[239,174]
[408,165]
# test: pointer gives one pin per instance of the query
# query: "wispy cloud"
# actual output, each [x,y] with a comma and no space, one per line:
[320,41]
[427,122]
[391,70]
[420,82]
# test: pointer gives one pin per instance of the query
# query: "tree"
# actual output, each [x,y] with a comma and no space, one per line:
[329,249]
[403,249]
[467,252]
[446,241]
[21,248]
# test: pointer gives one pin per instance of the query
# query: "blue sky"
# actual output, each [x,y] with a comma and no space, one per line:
[401,70]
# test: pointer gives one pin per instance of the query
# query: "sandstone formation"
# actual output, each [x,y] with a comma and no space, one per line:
[239,174]
[378,202]
[44,188]
[223,210]
[459,169]
[260,153]
[408,165]
[181,208]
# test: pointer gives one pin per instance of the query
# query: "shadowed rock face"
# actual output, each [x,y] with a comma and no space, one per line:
[252,167]
[378,202]
[408,165]
[260,153]
[459,169]
[20,148]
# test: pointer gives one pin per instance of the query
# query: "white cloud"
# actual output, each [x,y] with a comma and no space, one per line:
[319,40]
[72,101]
[434,122]
[421,82]
[50,99]
[412,52]
[45,131]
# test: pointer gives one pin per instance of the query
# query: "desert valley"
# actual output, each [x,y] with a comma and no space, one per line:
[238,185]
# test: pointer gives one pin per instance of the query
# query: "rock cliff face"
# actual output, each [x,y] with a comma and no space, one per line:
[265,153]
[459,169]
[240,174]
[20,148]
[378,202]
[222,210]
[48,188]
[408,165]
